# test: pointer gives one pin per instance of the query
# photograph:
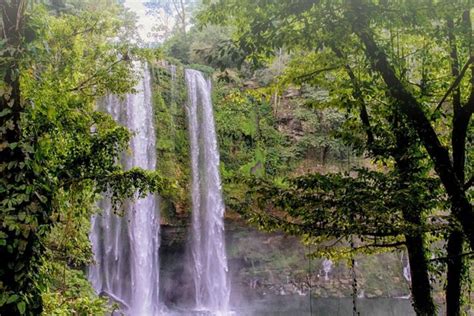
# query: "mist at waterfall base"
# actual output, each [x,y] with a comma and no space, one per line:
[191,278]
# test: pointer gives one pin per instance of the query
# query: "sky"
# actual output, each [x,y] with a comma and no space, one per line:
[145,22]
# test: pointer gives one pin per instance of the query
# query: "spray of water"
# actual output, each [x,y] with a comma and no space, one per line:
[126,247]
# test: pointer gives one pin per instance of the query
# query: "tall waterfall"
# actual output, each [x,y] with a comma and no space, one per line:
[126,247]
[209,269]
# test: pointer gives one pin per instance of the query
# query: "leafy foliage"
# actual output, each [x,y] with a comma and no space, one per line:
[172,142]
[395,65]
[366,203]
[63,152]
[206,46]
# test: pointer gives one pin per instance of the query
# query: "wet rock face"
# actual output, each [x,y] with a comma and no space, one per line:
[262,265]
[175,280]
[292,92]
[173,237]
[291,126]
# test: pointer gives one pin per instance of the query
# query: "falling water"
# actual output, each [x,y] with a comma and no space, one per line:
[173,73]
[406,267]
[327,267]
[126,247]
[208,245]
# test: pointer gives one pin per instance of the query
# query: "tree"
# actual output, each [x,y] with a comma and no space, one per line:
[15,259]
[177,10]
[398,45]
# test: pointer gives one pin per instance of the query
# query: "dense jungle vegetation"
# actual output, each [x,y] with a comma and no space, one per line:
[346,123]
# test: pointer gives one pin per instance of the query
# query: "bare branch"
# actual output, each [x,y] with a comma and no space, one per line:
[466,254]
[469,184]
[454,85]
[314,73]
[382,245]
[86,82]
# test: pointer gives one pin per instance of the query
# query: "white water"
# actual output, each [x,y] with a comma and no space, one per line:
[406,267]
[209,270]
[327,267]
[173,75]
[126,248]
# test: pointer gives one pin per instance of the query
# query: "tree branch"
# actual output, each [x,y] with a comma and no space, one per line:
[357,94]
[383,245]
[85,84]
[466,254]
[314,73]
[413,111]
[87,30]
[469,183]
[454,85]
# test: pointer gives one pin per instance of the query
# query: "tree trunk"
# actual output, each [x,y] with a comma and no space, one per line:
[420,281]
[19,256]
[407,168]
[420,288]
[455,263]
[454,274]
[412,109]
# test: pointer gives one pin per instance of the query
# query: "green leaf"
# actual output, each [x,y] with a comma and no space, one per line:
[5,111]
[21,216]
[12,298]
[21,307]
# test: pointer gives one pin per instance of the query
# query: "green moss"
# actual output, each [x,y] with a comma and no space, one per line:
[171,138]
[208,71]
[382,275]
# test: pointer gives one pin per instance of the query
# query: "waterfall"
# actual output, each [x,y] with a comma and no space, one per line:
[209,260]
[173,75]
[327,267]
[406,267]
[126,247]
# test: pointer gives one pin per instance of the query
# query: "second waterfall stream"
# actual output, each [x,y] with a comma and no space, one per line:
[209,261]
